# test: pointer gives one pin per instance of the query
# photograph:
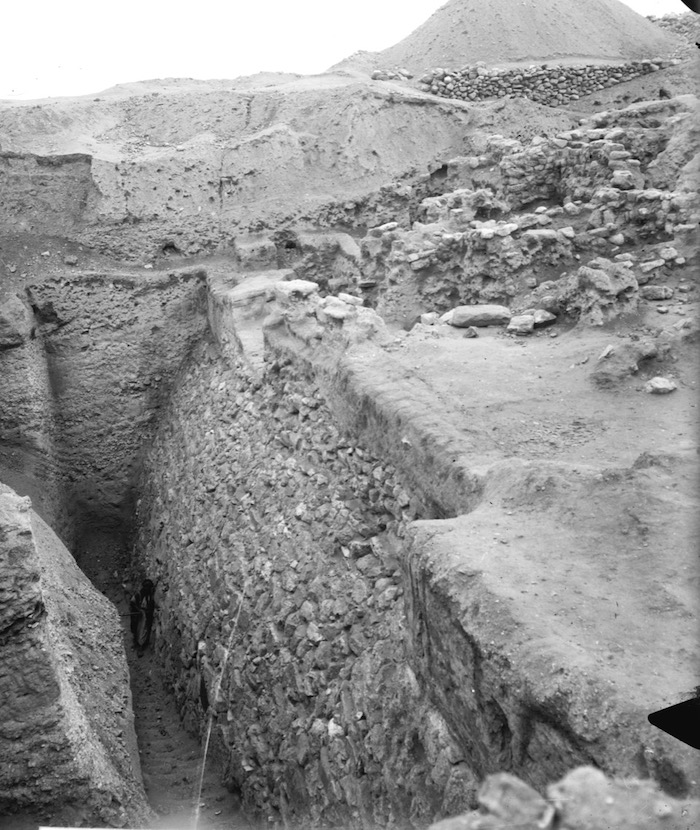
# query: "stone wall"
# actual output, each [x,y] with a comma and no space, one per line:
[544,84]
[522,215]
[274,539]
[66,727]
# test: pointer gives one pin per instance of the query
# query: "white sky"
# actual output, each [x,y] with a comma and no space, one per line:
[77,47]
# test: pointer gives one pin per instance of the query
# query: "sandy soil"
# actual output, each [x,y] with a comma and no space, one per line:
[461,32]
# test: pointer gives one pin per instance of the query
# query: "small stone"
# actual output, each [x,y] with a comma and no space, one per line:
[521,324]
[290,290]
[662,809]
[471,332]
[70,259]
[350,299]
[656,292]
[430,318]
[623,179]
[543,317]
[335,309]
[541,234]
[662,309]
[617,239]
[668,252]
[313,634]
[659,386]
[567,232]
[646,267]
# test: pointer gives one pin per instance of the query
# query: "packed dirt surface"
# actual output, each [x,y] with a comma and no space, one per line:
[171,757]
[620,460]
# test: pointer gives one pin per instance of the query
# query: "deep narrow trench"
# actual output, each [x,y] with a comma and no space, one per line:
[254,496]
[170,756]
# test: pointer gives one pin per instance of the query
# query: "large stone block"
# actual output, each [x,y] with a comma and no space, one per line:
[464,316]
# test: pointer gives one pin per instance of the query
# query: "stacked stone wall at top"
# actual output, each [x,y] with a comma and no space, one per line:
[548,85]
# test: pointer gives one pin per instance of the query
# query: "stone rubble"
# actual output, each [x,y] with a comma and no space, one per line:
[583,800]
[485,238]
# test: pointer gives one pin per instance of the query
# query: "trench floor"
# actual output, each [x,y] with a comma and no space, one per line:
[171,758]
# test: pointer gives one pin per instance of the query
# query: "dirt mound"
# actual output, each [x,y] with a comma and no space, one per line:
[466,31]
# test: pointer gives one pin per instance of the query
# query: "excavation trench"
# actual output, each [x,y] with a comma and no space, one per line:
[183,790]
[273,539]
[249,503]
[322,615]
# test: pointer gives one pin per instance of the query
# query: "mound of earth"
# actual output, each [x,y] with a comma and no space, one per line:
[466,31]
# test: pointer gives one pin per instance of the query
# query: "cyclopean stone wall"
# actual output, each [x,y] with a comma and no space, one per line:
[549,85]
[67,739]
[274,539]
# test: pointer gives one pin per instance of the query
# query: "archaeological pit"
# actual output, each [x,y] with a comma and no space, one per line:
[394,397]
